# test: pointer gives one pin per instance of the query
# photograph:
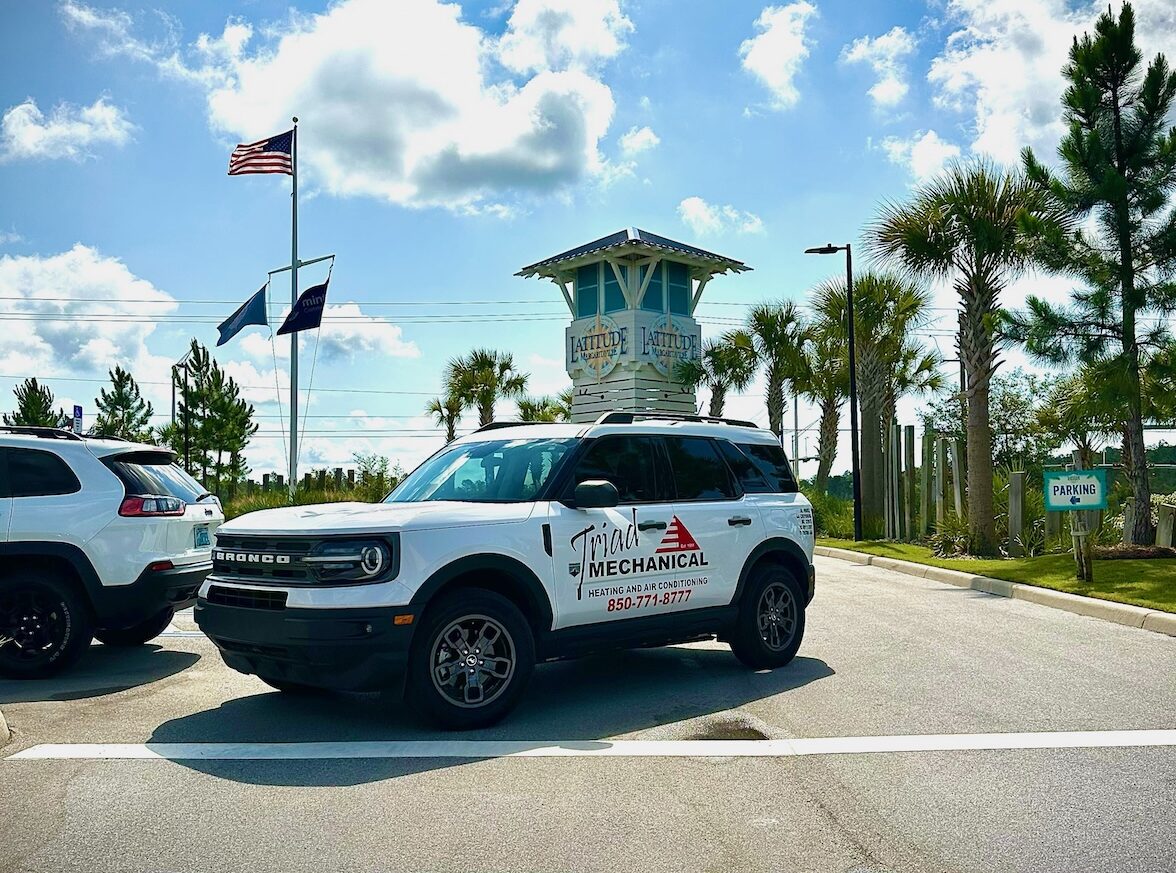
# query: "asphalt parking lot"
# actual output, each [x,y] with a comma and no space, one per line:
[886,658]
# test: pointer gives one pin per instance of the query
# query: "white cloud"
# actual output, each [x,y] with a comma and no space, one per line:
[562,34]
[67,132]
[346,332]
[707,219]
[62,320]
[775,54]
[259,385]
[638,140]
[1002,65]
[8,237]
[923,153]
[886,55]
[400,101]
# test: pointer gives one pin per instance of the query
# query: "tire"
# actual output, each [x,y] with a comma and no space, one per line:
[442,690]
[770,624]
[137,634]
[45,625]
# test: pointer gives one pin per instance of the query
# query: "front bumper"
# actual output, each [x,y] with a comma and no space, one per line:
[119,606]
[812,584]
[343,649]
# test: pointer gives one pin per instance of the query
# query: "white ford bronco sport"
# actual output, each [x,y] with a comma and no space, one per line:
[516,544]
[98,538]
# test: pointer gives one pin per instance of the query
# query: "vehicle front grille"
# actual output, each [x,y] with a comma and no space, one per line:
[292,573]
[246,598]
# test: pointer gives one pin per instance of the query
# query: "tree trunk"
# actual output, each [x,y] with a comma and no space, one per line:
[485,413]
[775,402]
[827,442]
[718,400]
[873,471]
[981,522]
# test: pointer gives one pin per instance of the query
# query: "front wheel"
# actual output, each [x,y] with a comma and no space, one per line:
[44,626]
[137,634]
[470,660]
[770,624]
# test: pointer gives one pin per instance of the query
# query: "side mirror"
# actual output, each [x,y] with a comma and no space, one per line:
[596,494]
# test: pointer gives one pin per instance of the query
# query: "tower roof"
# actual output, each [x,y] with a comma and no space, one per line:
[633,244]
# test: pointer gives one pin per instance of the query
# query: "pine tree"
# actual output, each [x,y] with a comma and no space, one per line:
[122,411]
[34,407]
[1111,225]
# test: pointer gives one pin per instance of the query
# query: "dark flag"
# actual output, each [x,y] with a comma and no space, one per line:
[252,311]
[307,313]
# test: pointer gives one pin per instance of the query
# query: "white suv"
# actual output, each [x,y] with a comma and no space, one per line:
[98,538]
[516,544]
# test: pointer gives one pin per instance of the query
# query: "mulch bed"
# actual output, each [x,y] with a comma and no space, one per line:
[1112,553]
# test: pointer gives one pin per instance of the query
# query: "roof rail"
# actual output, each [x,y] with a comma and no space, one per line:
[498,425]
[49,433]
[630,417]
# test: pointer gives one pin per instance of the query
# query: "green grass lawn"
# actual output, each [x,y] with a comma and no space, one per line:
[1149,583]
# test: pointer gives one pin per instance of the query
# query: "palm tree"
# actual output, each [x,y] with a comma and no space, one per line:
[827,387]
[965,227]
[725,364]
[544,408]
[481,379]
[446,413]
[886,309]
[777,333]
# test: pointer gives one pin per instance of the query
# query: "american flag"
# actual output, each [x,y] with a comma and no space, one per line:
[272,155]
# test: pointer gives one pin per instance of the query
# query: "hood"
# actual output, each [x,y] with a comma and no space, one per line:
[374,518]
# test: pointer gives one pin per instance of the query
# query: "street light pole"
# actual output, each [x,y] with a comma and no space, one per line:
[855,454]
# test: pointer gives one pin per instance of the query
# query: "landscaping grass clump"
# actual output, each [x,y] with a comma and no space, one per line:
[275,498]
[1150,582]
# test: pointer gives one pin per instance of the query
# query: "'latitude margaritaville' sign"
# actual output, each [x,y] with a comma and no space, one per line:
[597,345]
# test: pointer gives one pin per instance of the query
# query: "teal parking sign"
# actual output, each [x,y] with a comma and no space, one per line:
[1075,489]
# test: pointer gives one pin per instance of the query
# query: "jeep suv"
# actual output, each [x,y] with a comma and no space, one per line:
[98,538]
[518,544]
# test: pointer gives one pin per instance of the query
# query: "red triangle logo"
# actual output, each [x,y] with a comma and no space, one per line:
[678,539]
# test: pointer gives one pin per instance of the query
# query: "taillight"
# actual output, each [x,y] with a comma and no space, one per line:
[151,505]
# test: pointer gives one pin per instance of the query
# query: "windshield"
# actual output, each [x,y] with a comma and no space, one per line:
[154,473]
[497,471]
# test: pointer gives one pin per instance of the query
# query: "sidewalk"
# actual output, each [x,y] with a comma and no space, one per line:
[1107,610]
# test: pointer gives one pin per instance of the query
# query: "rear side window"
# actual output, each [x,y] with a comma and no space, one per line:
[34,473]
[745,471]
[144,473]
[629,462]
[699,472]
[771,461]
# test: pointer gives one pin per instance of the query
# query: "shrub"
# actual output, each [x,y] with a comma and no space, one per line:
[832,516]
[950,539]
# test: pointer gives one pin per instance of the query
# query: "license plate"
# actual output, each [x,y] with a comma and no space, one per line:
[202,540]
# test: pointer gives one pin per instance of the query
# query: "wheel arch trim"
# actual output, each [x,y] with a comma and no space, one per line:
[529,585]
[791,552]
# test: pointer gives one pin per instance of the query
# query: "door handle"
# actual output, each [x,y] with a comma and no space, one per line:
[737,520]
[651,525]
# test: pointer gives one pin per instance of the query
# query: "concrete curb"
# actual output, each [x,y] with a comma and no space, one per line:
[1107,610]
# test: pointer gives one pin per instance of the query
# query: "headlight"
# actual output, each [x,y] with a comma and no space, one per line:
[367,560]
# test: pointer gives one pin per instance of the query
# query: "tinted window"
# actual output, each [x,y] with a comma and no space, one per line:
[33,473]
[773,463]
[629,462]
[587,291]
[654,295]
[747,474]
[145,473]
[678,285]
[699,472]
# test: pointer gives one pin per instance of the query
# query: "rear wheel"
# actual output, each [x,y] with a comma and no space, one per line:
[137,634]
[770,625]
[45,625]
[470,660]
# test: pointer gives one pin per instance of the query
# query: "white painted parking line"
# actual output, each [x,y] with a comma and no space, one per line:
[782,748]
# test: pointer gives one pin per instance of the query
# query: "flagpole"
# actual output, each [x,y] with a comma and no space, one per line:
[293,303]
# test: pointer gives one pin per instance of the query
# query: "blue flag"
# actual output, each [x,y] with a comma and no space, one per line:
[307,313]
[252,311]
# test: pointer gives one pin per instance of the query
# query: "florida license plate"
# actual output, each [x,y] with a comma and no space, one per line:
[202,540]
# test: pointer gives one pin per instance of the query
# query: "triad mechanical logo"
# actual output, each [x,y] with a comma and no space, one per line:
[678,539]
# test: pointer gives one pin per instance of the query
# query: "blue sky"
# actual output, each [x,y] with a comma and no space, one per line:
[444,146]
